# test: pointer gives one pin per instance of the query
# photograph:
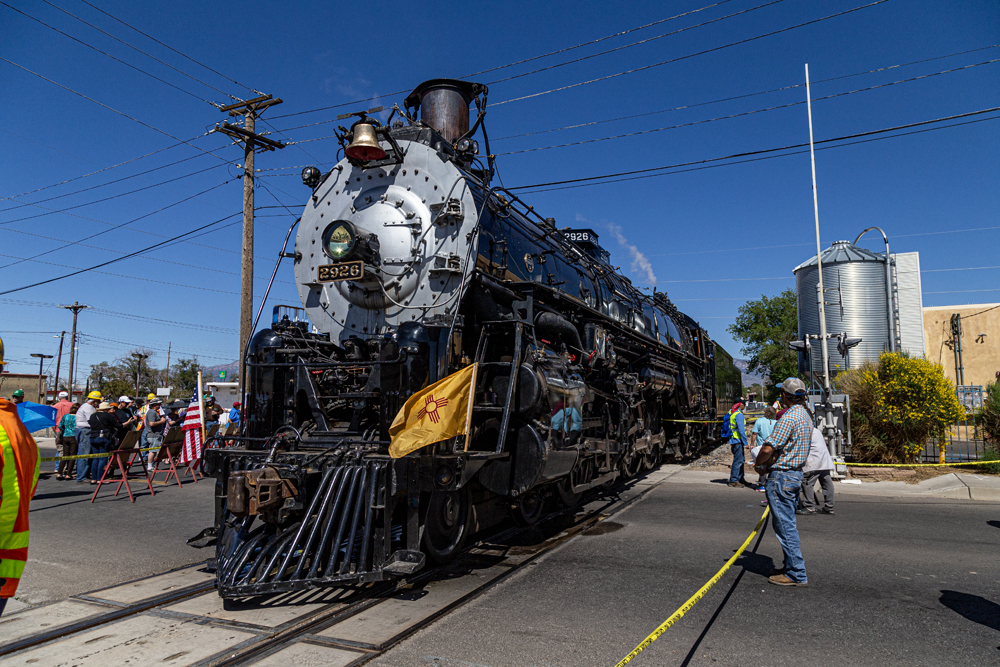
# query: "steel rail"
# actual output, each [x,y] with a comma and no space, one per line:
[326,617]
[322,619]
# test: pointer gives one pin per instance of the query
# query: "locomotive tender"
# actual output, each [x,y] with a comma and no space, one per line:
[410,266]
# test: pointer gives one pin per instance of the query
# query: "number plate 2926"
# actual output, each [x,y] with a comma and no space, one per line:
[346,271]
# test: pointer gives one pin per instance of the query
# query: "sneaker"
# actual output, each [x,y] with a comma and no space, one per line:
[782,580]
[826,511]
[805,511]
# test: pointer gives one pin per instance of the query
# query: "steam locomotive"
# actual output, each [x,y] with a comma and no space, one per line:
[411,265]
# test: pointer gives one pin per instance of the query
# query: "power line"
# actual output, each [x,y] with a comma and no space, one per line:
[690,55]
[757,152]
[113,313]
[104,53]
[51,211]
[727,99]
[99,171]
[512,64]
[135,48]
[124,224]
[748,113]
[120,113]
[643,41]
[118,259]
[167,46]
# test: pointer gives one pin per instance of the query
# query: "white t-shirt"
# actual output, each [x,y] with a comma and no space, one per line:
[84,414]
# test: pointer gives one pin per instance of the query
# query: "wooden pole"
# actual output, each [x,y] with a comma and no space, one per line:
[246,278]
[55,390]
[166,374]
[472,399]
[76,308]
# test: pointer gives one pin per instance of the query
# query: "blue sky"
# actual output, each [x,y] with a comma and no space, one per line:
[712,238]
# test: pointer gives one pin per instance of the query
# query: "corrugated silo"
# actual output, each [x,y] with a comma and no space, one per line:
[857,302]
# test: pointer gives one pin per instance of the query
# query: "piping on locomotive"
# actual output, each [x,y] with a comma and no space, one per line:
[411,265]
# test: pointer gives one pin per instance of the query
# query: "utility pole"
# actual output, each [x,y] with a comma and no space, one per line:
[76,308]
[55,386]
[166,373]
[956,346]
[250,140]
[41,363]
[138,369]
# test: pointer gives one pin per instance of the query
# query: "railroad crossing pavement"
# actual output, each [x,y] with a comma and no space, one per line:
[77,546]
[908,580]
[893,579]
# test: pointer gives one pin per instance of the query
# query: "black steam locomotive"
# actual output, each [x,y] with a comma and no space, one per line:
[411,264]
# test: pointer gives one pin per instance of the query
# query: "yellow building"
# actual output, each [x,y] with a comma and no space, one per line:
[980,339]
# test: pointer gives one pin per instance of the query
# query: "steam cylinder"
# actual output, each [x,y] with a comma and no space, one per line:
[856,303]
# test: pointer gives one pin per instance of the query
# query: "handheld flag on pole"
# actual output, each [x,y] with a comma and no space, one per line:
[435,413]
[192,428]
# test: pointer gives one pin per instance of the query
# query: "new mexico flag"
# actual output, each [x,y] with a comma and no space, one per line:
[433,414]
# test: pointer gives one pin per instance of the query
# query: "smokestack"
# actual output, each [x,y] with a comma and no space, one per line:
[444,105]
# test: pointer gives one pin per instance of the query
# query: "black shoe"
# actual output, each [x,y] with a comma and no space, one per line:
[805,511]
[826,511]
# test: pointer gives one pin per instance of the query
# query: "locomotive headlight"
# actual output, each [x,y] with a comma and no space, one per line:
[339,240]
[310,177]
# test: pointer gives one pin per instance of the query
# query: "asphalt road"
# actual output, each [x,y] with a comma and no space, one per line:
[891,582]
[77,546]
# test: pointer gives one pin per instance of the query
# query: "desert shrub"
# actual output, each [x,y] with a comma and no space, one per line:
[899,405]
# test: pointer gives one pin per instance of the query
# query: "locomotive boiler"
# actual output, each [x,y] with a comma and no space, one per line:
[411,264]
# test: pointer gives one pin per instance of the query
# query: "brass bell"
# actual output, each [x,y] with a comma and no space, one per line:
[364,146]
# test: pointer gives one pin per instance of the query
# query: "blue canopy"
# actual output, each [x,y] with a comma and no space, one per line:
[36,416]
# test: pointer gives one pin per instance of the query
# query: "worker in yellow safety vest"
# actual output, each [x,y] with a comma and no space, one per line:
[19,467]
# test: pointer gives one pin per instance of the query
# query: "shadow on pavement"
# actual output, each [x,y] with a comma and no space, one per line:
[995,524]
[973,607]
[750,561]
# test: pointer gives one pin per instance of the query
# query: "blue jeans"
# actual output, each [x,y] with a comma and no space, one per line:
[739,458]
[143,443]
[783,498]
[82,447]
[98,446]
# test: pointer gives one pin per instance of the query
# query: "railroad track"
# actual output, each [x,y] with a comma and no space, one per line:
[178,619]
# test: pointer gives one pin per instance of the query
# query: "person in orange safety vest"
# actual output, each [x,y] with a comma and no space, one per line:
[19,467]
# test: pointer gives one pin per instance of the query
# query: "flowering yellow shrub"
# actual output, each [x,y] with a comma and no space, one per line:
[898,406]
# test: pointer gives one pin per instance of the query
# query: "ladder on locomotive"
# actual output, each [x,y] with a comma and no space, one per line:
[495,329]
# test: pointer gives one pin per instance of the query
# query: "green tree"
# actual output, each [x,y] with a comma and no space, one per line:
[184,377]
[765,327]
[119,377]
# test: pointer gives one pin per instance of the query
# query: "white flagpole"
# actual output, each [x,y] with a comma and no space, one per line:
[472,398]
[201,410]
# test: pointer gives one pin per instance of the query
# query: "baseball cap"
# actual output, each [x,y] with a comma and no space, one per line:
[17,393]
[794,387]
[124,399]
[63,394]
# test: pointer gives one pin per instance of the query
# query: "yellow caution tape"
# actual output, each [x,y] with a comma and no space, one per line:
[917,465]
[94,456]
[686,607]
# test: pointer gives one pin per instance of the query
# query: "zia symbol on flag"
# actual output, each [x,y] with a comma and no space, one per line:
[431,406]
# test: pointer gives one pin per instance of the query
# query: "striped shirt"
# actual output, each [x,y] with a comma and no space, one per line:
[792,436]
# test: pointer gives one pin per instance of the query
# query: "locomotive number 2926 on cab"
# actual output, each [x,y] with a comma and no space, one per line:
[345,271]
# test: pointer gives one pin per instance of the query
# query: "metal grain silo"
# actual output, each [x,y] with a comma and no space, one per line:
[857,302]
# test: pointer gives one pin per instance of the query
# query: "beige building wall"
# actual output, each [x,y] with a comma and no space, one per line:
[980,360]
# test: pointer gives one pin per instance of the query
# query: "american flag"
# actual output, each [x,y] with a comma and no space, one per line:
[191,451]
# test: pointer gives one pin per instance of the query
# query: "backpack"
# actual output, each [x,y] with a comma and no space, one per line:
[726,432]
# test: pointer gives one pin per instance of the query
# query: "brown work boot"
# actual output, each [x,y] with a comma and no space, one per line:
[782,580]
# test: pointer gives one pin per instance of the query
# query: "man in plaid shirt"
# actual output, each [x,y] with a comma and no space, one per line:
[782,456]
